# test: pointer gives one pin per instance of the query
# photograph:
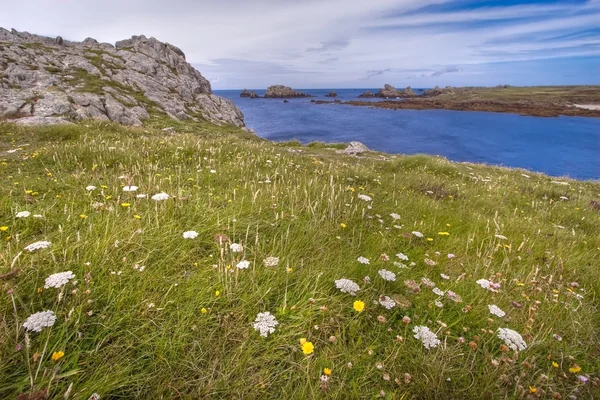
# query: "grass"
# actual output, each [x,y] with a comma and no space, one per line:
[132,334]
[572,94]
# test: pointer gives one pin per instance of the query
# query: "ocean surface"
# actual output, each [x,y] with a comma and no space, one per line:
[563,146]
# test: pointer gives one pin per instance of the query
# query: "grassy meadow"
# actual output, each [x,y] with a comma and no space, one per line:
[150,314]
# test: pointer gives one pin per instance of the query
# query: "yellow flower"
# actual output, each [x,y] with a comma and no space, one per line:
[429,239]
[358,305]
[532,389]
[82,216]
[554,364]
[575,368]
[3,228]
[352,189]
[343,225]
[444,233]
[308,348]
[288,270]
[217,293]
[57,355]
[125,205]
[327,371]
[448,225]
[203,310]
[137,216]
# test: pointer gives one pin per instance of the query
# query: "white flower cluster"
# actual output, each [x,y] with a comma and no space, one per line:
[271,261]
[395,216]
[130,188]
[489,285]
[160,196]
[438,291]
[90,188]
[364,197]
[236,248]
[402,256]
[512,339]
[58,280]
[363,260]
[387,302]
[428,338]
[190,234]
[23,214]
[40,320]
[347,286]
[243,264]
[495,310]
[38,245]
[265,323]
[417,234]
[387,275]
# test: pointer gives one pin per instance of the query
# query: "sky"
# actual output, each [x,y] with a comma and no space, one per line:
[346,43]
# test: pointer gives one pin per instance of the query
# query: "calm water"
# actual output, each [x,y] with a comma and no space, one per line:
[556,146]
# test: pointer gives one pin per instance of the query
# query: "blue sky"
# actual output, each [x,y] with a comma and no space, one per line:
[347,43]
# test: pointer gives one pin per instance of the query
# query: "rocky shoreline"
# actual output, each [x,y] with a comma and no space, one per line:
[276,92]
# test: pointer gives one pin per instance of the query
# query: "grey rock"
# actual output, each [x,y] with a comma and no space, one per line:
[355,148]
[123,83]
[281,92]
[170,129]
[35,121]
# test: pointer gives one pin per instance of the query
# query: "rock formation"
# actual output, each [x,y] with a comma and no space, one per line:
[331,94]
[281,92]
[249,94]
[367,94]
[52,79]
[388,91]
[436,91]
[355,148]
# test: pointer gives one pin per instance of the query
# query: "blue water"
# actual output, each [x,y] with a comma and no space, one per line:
[563,146]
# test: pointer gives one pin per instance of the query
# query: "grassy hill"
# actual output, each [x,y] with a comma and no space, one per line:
[153,315]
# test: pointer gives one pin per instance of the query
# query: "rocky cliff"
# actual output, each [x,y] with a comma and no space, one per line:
[44,80]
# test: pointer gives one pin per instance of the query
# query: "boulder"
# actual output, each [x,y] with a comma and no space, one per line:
[367,94]
[389,91]
[36,121]
[331,94]
[355,148]
[281,92]
[249,94]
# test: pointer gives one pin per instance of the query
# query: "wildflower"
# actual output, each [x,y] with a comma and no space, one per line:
[141,196]
[387,302]
[137,216]
[363,260]
[428,338]
[243,264]
[265,323]
[90,188]
[512,339]
[130,188]
[236,248]
[554,364]
[94,396]
[387,275]
[203,310]
[453,296]
[491,286]
[582,379]
[575,369]
[347,286]
[438,291]
[40,320]
[327,371]
[412,286]
[532,389]
[395,216]
[58,280]
[444,276]
[358,306]
[23,214]
[308,348]
[557,337]
[438,304]
[495,310]
[190,234]
[364,197]
[125,205]
[57,355]
[427,282]
[406,320]
[3,228]
[343,225]
[402,256]
[217,293]
[444,233]
[451,256]
[384,257]
[160,196]
[417,234]
[271,261]
[430,262]
[82,216]
[37,246]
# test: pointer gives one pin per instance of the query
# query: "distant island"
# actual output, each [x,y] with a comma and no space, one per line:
[540,101]
[276,92]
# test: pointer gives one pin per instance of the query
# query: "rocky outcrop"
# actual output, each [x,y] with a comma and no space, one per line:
[282,92]
[54,78]
[436,91]
[367,94]
[331,94]
[355,148]
[249,94]
[388,91]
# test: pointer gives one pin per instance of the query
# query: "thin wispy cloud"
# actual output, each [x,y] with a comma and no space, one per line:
[335,43]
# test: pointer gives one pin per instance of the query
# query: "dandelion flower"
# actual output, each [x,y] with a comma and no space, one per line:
[23,214]
[364,197]
[327,371]
[308,348]
[38,246]
[358,305]
[90,188]
[495,310]
[130,188]
[243,264]
[387,302]
[58,280]
[387,275]
[190,235]
[57,355]
[402,256]
[265,323]
[3,228]
[575,369]
[418,234]
[347,286]
[271,261]
[363,260]
[512,339]
[236,248]
[160,196]
[428,338]
[40,320]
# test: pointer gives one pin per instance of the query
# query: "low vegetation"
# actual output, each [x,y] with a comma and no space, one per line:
[210,263]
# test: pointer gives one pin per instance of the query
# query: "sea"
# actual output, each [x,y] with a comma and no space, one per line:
[562,146]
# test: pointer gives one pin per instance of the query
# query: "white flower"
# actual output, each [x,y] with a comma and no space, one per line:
[141,196]
[160,196]
[387,302]
[190,235]
[402,256]
[243,264]
[491,286]
[212,171]
[444,276]
[501,237]
[271,261]
[236,248]
[495,310]
[428,338]
[58,280]
[364,197]
[363,260]
[395,216]
[399,264]
[90,188]
[265,323]
[130,188]
[347,286]
[40,320]
[512,339]
[387,275]
[23,214]
[438,304]
[438,291]
[38,245]
[38,216]
[417,234]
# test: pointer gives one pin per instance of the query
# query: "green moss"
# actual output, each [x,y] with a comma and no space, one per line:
[53,70]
